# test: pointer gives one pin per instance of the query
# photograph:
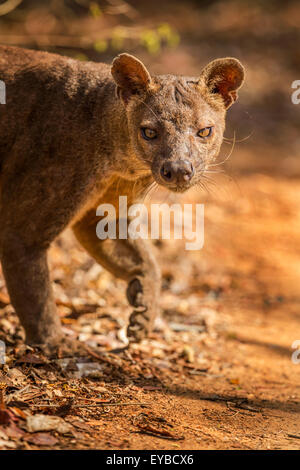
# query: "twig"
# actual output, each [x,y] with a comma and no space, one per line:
[16,393]
[295,436]
[102,357]
[94,406]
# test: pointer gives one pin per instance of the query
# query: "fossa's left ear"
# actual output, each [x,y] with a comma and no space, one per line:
[224,77]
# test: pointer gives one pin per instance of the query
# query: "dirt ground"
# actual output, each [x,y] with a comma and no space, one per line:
[217,372]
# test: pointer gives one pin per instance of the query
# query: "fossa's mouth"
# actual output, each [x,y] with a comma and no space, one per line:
[176,188]
[180,189]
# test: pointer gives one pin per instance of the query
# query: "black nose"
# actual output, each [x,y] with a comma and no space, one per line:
[180,171]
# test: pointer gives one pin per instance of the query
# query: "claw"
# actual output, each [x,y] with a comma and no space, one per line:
[134,292]
[138,327]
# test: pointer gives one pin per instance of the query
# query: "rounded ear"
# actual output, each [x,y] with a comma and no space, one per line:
[224,77]
[130,75]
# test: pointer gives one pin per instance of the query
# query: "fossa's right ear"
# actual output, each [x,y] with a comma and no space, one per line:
[130,75]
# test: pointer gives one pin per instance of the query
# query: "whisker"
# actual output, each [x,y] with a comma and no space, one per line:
[218,171]
[152,189]
[222,190]
[156,187]
[240,140]
[203,186]
[210,181]
[228,156]
[148,189]
[133,189]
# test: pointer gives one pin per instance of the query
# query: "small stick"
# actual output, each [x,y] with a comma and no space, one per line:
[295,436]
[94,406]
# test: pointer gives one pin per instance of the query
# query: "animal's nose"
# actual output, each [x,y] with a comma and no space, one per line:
[179,171]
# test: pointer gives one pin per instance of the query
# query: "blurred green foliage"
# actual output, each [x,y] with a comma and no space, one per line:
[150,39]
[95,10]
[81,28]
[101,45]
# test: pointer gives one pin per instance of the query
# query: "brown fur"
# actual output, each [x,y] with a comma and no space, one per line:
[69,139]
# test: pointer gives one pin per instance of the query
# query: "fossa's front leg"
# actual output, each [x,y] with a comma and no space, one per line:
[31,217]
[131,260]
[27,279]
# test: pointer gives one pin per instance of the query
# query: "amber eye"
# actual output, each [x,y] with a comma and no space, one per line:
[205,132]
[148,133]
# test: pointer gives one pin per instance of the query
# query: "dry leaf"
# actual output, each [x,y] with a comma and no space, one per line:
[41,422]
[42,439]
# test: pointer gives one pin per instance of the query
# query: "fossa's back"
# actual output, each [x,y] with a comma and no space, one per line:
[47,94]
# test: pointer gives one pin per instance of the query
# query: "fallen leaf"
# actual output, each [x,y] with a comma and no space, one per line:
[41,422]
[81,425]
[18,412]
[16,376]
[42,439]
[148,429]
[155,426]
[14,432]
[30,359]
[3,435]
[8,444]
[6,416]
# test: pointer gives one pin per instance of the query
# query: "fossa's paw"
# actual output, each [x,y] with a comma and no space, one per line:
[139,325]
[64,348]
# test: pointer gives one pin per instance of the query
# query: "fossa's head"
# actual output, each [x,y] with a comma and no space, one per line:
[176,123]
